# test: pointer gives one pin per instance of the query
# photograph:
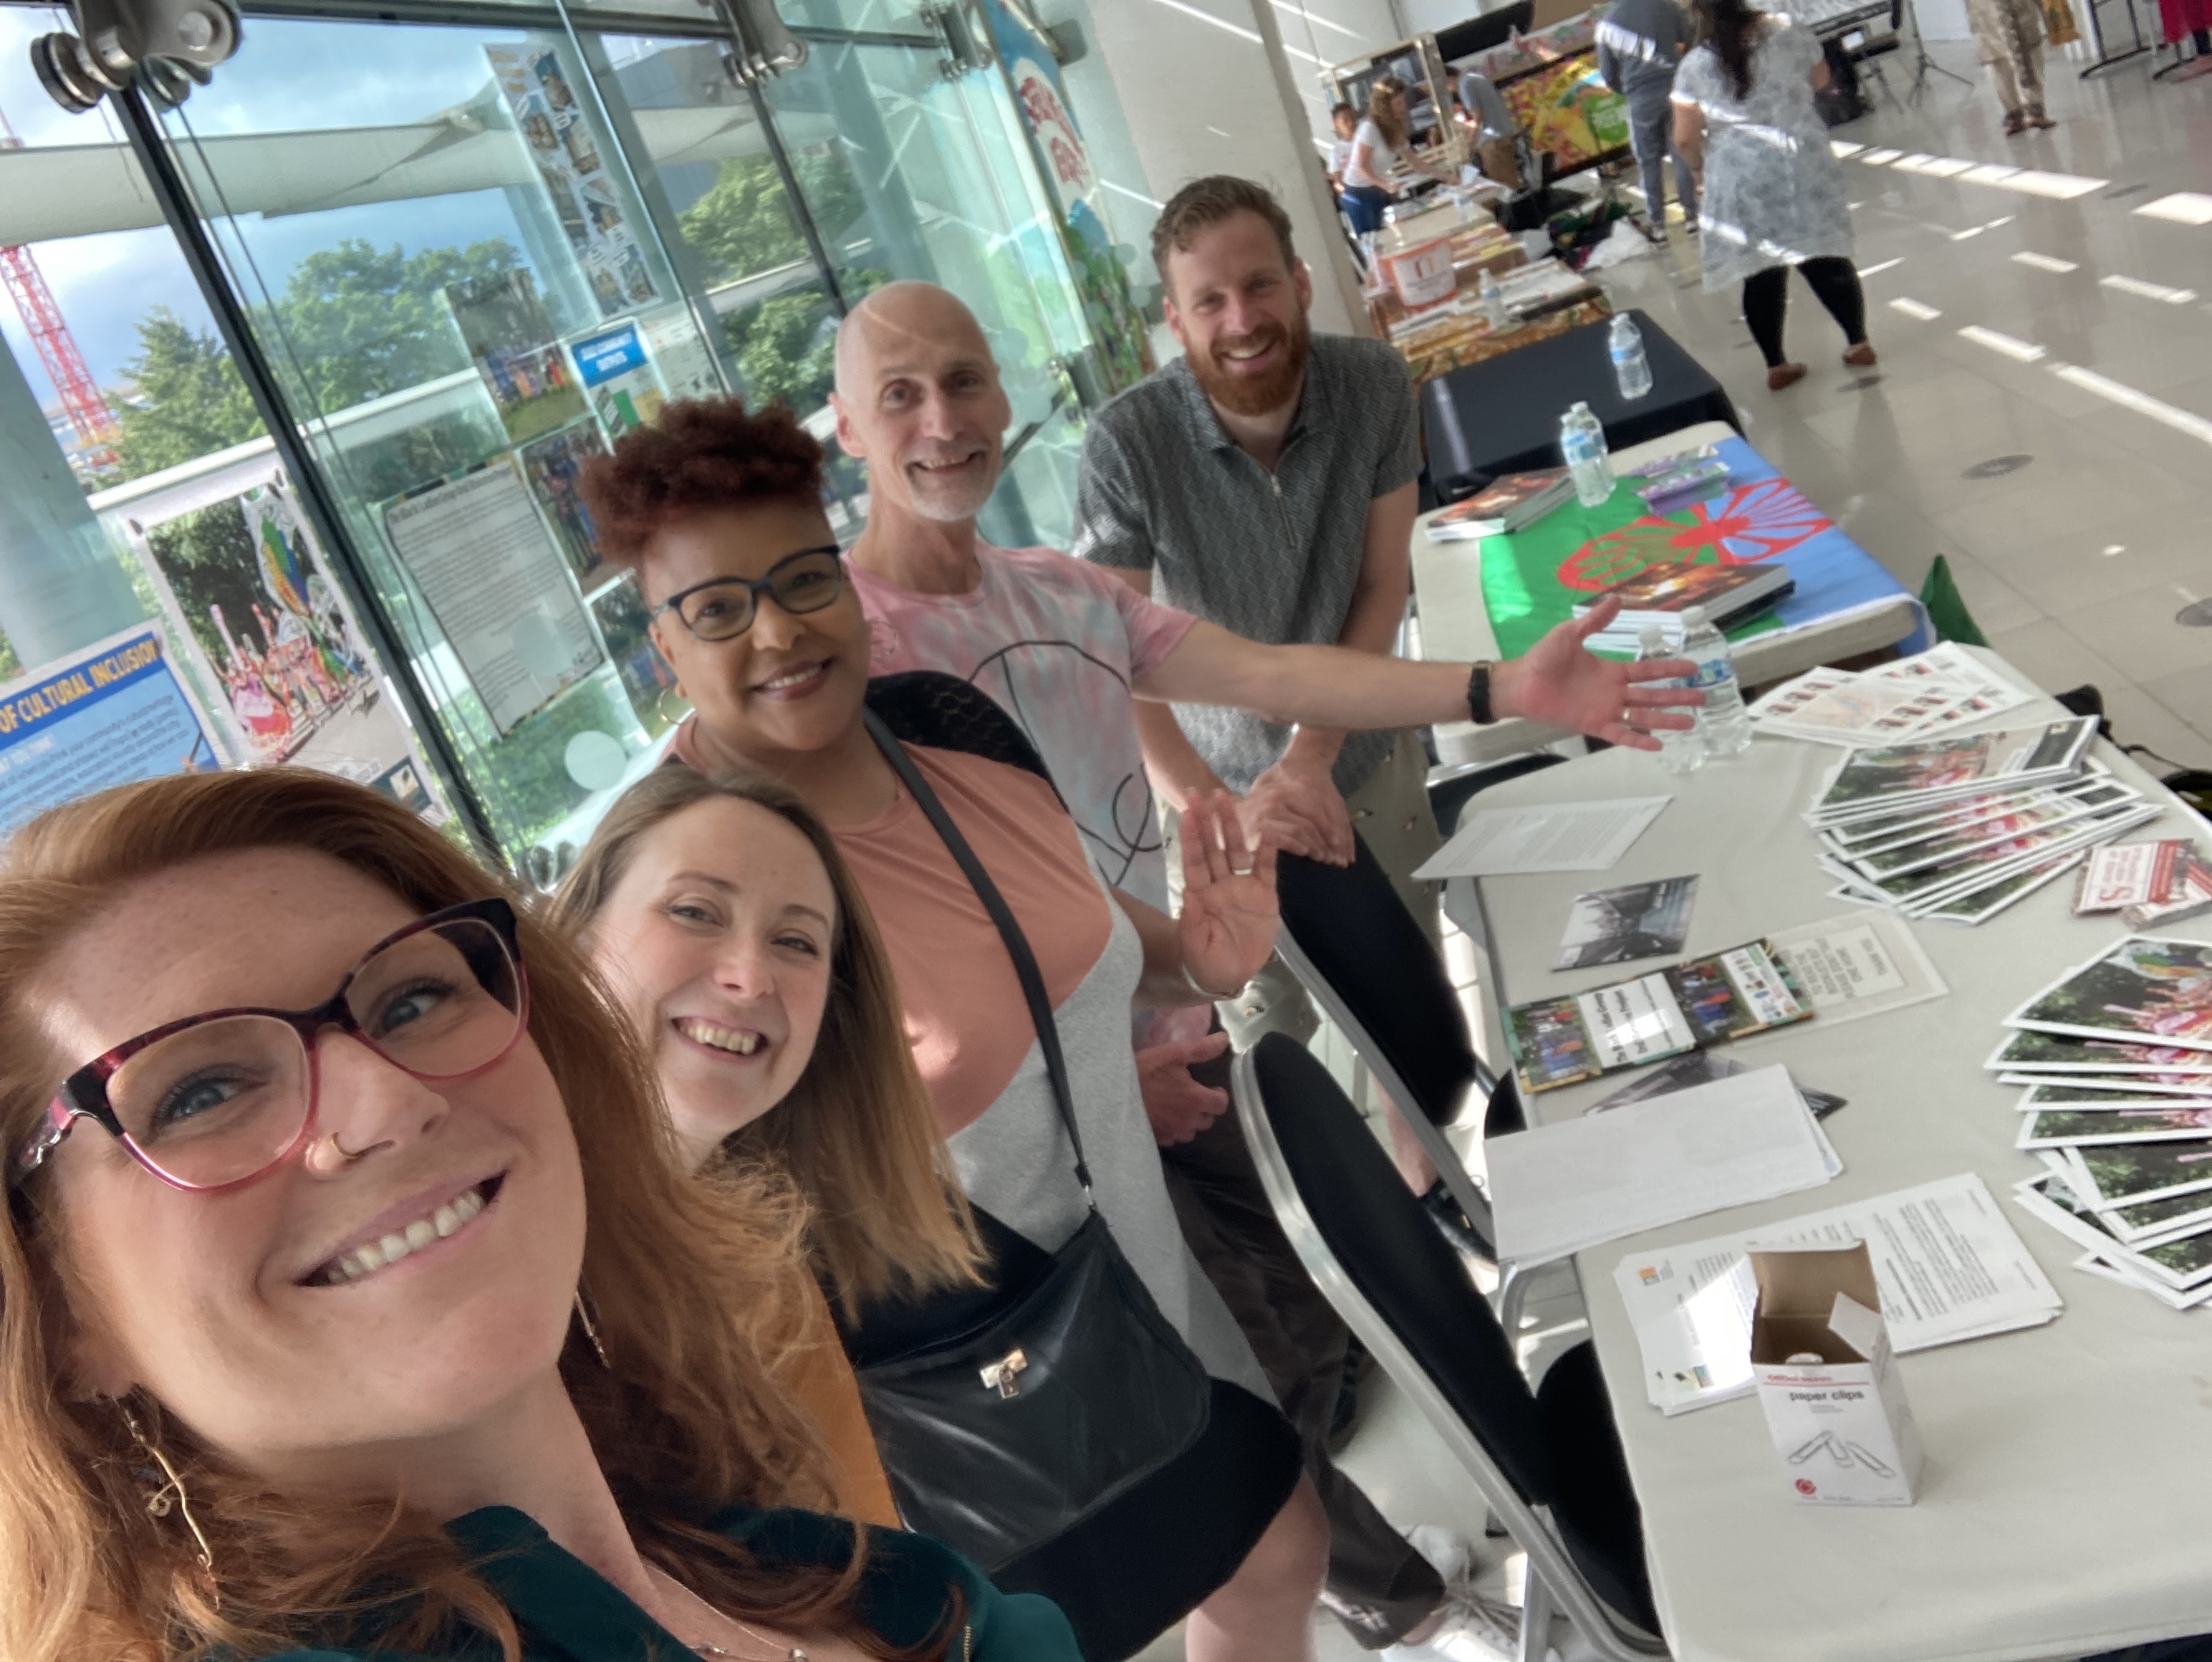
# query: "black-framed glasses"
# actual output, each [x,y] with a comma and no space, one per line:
[722,608]
[215,1100]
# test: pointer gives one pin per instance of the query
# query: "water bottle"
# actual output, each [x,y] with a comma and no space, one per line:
[1681,750]
[1493,305]
[1723,723]
[1582,447]
[1631,367]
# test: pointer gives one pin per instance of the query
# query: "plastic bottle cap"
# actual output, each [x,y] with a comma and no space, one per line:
[1693,617]
[1653,639]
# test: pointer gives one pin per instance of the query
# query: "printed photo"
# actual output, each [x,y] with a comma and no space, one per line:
[2143,1171]
[2061,1129]
[2146,989]
[1616,926]
[551,466]
[649,684]
[510,335]
[2055,1053]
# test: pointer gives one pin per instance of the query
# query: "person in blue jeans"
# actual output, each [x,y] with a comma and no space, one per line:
[1639,44]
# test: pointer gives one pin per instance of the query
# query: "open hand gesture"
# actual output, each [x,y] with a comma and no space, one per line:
[1229,919]
[1560,682]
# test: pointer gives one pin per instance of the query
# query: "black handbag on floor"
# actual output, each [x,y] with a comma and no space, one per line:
[1004,1436]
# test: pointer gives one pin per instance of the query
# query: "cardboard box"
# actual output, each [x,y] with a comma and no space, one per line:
[1820,1352]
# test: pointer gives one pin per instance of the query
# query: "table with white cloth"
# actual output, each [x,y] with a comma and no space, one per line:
[2066,1501]
[1455,628]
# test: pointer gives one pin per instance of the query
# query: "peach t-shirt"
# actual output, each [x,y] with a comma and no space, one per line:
[965,1015]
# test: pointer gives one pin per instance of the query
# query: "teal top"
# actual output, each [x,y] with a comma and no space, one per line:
[569,1612]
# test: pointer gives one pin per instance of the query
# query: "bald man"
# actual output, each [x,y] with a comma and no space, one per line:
[1068,650]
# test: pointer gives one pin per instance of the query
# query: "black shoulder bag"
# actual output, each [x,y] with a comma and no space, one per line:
[1002,1437]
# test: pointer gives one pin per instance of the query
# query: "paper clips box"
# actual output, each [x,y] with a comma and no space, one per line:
[1820,1352]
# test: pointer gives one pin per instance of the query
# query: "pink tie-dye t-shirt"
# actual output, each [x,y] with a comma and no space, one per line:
[1058,642]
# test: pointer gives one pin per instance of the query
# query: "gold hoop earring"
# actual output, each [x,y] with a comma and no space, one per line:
[661,708]
[592,1331]
[171,1493]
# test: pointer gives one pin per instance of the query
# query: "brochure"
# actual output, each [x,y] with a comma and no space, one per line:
[2058,1129]
[2134,1172]
[1638,919]
[1947,847]
[2131,875]
[2054,1053]
[1949,1266]
[1944,687]
[1867,783]
[2148,989]
[1703,1001]
[2180,1260]
[2195,898]
[1866,836]
[2085,1091]
[2114,1269]
[1985,904]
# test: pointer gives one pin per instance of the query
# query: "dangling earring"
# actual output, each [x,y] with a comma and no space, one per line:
[171,1491]
[592,1331]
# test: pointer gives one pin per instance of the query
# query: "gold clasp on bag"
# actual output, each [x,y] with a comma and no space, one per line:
[1004,1376]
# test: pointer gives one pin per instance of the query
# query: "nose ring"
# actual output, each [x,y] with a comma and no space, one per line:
[347,1155]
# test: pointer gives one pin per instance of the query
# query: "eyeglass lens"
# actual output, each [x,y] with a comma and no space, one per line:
[224,1099]
[805,582]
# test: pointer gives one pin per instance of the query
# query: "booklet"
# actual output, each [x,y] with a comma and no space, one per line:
[1869,782]
[2095,786]
[2134,1172]
[2061,1129]
[1982,904]
[2194,898]
[2148,989]
[1638,919]
[1949,1265]
[1976,868]
[2179,1261]
[2028,1051]
[1702,1000]
[2132,875]
[2085,1091]
[1946,848]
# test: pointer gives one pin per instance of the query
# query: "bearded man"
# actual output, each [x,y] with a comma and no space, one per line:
[1265,481]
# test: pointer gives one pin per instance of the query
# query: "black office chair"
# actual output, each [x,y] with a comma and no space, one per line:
[1452,785]
[1548,1462]
[1364,961]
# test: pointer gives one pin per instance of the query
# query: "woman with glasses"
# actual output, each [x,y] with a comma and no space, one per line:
[355,1302]
[719,512]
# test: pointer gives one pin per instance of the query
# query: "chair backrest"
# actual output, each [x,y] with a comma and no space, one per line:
[1382,1241]
[943,712]
[1349,925]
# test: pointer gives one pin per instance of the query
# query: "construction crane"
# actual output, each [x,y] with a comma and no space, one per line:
[82,402]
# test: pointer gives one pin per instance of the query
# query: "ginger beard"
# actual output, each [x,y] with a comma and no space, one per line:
[1255,393]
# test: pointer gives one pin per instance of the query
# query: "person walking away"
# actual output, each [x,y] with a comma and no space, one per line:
[1772,190]
[2008,34]
[1640,45]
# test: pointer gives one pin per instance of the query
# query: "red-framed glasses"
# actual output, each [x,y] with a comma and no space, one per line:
[215,1100]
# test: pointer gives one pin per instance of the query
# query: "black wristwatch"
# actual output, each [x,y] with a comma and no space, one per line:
[1478,694]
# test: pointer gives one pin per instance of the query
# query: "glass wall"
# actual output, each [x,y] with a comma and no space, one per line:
[463,257]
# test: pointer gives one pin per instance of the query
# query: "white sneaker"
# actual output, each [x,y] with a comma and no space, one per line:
[1476,1628]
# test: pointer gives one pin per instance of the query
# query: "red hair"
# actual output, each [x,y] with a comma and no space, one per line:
[702,453]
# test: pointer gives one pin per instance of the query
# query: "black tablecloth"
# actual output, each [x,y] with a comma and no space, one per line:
[1503,416]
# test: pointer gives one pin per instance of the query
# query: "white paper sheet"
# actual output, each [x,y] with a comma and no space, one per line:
[1949,1264]
[1558,836]
[1558,1189]
[1858,965]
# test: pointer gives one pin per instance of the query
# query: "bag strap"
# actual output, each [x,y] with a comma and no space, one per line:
[1010,931]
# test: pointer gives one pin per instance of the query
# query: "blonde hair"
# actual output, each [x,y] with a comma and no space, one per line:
[696,1287]
[856,1133]
[1387,120]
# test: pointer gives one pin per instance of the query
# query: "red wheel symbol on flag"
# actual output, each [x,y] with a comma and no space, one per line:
[1757,521]
[1805,1486]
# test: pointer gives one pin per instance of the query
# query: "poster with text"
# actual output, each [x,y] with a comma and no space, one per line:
[619,610]
[113,714]
[573,169]
[618,378]
[1056,143]
[509,334]
[551,466]
[252,603]
[491,575]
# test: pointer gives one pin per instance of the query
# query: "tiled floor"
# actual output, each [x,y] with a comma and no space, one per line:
[2074,564]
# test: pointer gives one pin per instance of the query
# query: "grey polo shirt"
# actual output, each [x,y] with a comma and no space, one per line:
[1272,557]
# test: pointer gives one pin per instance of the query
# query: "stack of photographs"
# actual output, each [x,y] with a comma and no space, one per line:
[2115,1059]
[1961,827]
[1943,690]
[1701,1001]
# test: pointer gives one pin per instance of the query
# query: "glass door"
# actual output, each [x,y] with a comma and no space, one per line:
[468,254]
